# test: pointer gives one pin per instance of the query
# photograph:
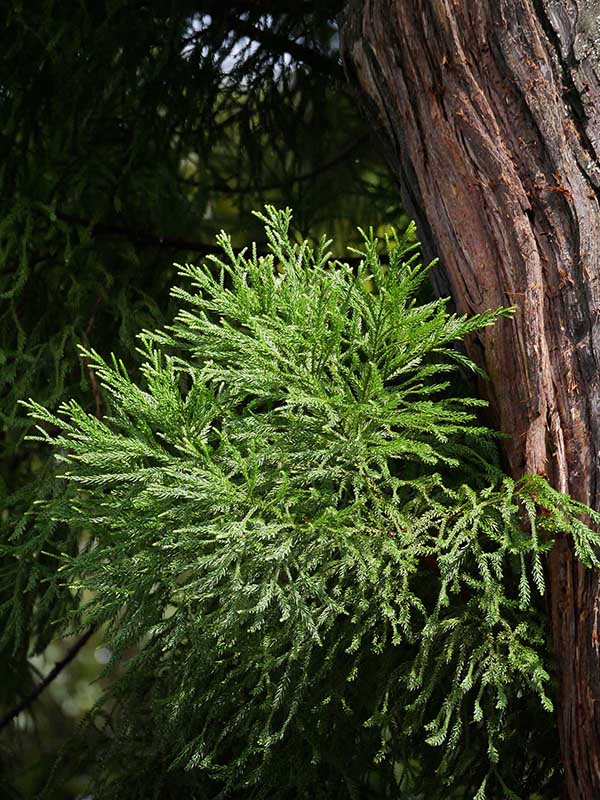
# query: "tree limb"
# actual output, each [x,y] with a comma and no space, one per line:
[279,43]
[275,41]
[139,237]
[50,677]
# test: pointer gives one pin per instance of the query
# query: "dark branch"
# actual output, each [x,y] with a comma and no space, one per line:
[50,677]
[306,176]
[330,163]
[135,236]
[277,42]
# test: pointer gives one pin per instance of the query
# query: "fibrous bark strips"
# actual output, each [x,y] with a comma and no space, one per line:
[491,116]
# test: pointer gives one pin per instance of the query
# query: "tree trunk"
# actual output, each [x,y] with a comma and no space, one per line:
[490,110]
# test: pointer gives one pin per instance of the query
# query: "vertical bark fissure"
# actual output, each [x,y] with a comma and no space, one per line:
[491,125]
[565,57]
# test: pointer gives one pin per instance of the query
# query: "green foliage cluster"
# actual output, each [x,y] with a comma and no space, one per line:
[129,135]
[314,577]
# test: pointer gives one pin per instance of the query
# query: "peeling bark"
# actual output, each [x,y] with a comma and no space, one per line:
[490,112]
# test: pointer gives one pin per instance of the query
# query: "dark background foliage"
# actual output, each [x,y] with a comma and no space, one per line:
[130,133]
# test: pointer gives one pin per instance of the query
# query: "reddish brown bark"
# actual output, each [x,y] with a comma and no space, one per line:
[490,110]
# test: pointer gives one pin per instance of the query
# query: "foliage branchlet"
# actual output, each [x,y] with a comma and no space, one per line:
[300,529]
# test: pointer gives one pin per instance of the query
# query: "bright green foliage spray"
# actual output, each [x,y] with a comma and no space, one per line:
[304,537]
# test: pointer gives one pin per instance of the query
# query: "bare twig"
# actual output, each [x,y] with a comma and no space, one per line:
[50,677]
